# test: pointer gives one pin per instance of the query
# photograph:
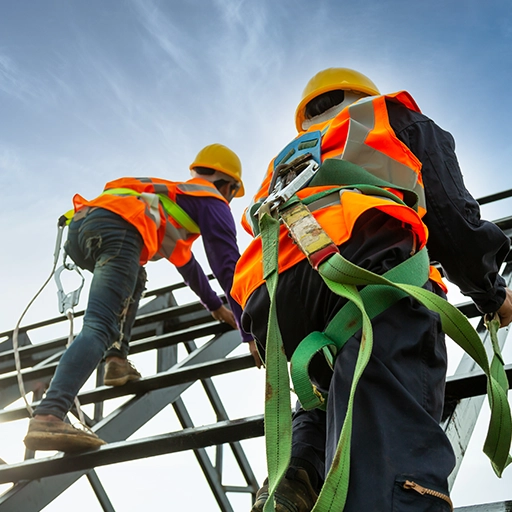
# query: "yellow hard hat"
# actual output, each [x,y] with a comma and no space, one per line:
[333,79]
[222,159]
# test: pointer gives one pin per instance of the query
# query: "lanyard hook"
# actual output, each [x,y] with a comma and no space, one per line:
[67,301]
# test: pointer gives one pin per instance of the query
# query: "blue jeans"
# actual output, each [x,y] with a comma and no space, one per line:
[108,246]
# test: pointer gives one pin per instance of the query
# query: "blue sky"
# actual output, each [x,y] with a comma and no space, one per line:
[91,91]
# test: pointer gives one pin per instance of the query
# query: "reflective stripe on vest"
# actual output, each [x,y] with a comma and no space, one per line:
[364,148]
[360,134]
[149,204]
[171,210]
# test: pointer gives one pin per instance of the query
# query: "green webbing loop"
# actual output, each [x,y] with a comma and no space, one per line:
[172,209]
[347,322]
[278,421]
[335,171]
[343,277]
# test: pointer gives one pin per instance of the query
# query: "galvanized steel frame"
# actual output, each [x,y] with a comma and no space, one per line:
[162,324]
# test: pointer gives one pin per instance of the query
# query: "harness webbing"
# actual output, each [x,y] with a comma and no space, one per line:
[343,278]
[278,420]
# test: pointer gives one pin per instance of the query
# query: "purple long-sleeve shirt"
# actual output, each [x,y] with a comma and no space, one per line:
[218,232]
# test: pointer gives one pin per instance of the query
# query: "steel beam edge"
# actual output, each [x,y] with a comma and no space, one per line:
[187,439]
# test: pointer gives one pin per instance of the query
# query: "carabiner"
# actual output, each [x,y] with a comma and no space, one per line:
[67,301]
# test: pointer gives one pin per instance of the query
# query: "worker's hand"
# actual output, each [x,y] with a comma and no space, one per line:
[253,349]
[225,315]
[505,311]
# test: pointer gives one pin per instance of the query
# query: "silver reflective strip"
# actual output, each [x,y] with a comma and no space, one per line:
[362,121]
[192,187]
[171,236]
[329,200]
[152,203]
[247,214]
[160,188]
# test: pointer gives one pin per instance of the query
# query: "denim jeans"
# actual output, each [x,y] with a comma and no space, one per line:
[108,246]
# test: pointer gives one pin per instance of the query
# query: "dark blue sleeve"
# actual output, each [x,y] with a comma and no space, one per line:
[469,249]
[218,232]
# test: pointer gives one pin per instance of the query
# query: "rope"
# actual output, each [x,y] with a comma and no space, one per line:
[69,312]
[15,344]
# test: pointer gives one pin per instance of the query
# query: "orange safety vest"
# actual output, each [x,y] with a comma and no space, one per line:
[360,134]
[162,234]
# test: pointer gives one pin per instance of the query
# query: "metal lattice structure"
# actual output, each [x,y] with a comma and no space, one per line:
[161,326]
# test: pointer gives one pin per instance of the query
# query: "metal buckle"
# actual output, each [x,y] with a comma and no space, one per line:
[288,179]
[67,301]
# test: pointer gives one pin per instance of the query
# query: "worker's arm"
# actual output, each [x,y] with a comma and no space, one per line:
[218,232]
[505,311]
[469,249]
[196,280]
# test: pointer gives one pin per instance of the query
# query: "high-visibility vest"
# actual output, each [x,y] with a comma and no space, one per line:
[360,134]
[149,204]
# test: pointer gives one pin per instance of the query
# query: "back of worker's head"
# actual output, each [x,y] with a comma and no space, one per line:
[329,92]
[221,166]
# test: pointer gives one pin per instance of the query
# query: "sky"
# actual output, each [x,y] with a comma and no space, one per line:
[92,91]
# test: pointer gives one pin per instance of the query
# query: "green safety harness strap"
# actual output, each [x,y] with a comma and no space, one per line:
[343,278]
[278,421]
[347,322]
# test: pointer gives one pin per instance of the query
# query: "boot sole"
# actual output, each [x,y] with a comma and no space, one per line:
[69,443]
[120,381]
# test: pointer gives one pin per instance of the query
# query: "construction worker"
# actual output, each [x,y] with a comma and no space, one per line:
[133,221]
[358,136]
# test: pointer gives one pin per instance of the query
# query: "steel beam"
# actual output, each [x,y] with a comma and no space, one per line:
[34,495]
[504,506]
[173,377]
[211,473]
[114,453]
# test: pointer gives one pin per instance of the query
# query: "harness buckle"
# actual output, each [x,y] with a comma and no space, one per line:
[308,234]
[289,178]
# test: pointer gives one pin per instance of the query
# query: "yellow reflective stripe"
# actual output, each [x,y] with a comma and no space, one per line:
[171,208]
[121,192]
[69,216]
[178,214]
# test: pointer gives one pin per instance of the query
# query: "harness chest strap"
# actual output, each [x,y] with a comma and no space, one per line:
[343,277]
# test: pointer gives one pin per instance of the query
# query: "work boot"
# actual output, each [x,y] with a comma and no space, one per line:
[60,436]
[292,494]
[118,373]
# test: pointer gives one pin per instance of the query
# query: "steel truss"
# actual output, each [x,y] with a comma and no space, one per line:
[162,325]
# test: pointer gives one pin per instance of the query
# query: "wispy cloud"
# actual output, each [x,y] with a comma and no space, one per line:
[12,82]
[169,37]
[17,82]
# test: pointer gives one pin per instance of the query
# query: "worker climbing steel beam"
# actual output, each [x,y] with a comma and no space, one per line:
[353,283]
[133,221]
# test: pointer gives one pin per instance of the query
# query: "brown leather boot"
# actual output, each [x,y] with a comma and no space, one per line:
[60,436]
[118,373]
